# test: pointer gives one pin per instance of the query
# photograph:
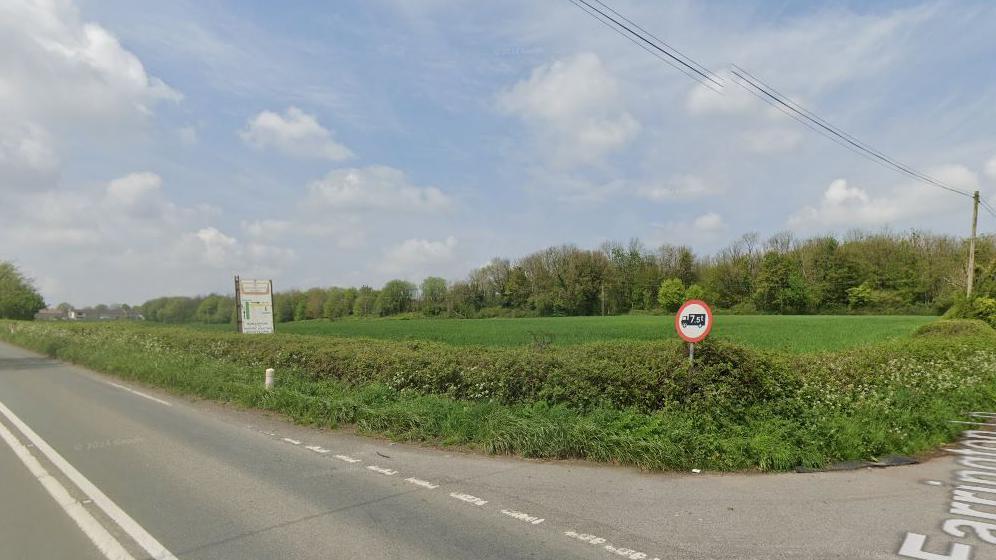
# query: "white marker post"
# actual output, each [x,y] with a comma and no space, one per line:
[269,379]
[693,323]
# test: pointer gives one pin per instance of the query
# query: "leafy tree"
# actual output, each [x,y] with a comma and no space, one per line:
[366,298]
[283,307]
[314,303]
[18,297]
[859,296]
[670,294]
[780,286]
[339,303]
[215,309]
[695,291]
[395,297]
[433,294]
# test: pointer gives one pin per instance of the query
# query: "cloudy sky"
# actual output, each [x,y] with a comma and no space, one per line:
[158,148]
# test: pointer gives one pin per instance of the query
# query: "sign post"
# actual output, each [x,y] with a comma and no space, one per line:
[254,302]
[693,323]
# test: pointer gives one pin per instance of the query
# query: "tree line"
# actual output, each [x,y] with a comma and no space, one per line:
[861,272]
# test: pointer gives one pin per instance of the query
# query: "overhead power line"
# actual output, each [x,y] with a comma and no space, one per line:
[650,43]
[665,52]
[773,97]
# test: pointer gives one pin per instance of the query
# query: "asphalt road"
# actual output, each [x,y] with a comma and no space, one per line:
[165,477]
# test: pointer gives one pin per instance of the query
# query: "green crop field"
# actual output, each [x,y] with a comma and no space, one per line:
[800,333]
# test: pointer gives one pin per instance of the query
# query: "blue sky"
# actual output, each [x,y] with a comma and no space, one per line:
[159,148]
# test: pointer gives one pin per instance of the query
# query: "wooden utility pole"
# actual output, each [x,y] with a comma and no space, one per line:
[970,280]
[238,305]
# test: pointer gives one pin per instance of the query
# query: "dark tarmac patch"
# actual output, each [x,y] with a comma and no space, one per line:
[887,461]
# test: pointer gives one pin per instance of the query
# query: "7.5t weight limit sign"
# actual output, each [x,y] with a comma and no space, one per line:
[693,321]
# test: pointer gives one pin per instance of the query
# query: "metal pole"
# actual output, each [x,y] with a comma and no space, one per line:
[691,354]
[970,280]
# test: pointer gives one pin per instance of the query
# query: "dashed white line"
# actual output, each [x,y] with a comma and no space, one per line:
[523,516]
[468,498]
[139,393]
[347,458]
[317,449]
[422,483]
[155,549]
[292,441]
[382,470]
[609,547]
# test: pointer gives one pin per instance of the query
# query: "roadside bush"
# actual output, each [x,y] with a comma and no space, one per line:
[956,327]
[631,402]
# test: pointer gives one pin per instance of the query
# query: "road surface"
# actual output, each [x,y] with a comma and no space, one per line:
[93,467]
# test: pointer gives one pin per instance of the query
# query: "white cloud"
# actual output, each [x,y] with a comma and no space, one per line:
[375,187]
[266,229]
[703,228]
[295,133]
[126,213]
[575,107]
[217,248]
[990,169]
[132,189]
[845,205]
[731,100]
[709,223]
[27,157]
[55,66]
[771,140]
[682,187]
[212,248]
[414,256]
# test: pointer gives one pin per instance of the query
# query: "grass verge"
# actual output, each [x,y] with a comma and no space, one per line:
[633,403]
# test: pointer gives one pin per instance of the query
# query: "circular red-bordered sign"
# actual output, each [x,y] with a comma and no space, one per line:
[693,320]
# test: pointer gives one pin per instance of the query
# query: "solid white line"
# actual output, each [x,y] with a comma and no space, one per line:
[103,540]
[129,525]
[139,393]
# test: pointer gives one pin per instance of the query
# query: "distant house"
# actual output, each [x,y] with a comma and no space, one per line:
[103,314]
[52,314]
[88,314]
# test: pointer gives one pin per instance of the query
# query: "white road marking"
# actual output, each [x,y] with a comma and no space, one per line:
[317,449]
[129,525]
[294,441]
[347,458]
[103,540]
[382,470]
[139,393]
[468,498]
[523,516]
[422,483]
[609,547]
[934,482]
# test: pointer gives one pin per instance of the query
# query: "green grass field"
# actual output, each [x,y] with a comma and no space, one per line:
[802,333]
